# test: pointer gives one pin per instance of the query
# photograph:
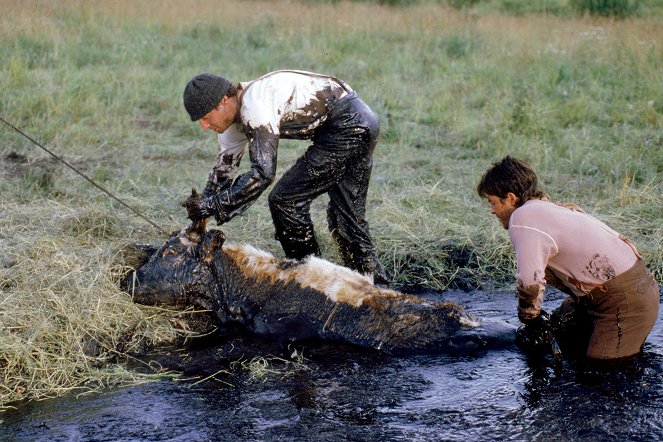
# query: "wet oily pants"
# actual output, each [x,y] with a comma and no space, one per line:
[338,163]
[623,315]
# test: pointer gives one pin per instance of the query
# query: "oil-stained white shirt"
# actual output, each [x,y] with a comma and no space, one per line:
[573,244]
[281,104]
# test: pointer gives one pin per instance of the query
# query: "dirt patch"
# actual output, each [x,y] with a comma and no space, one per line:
[455,265]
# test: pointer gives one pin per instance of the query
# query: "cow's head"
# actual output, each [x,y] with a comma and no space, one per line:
[179,273]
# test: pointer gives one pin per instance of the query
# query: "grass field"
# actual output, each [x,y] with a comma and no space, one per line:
[100,84]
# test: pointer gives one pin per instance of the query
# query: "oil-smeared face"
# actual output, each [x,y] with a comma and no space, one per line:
[179,271]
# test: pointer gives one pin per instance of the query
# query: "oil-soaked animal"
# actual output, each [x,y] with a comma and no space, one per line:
[291,300]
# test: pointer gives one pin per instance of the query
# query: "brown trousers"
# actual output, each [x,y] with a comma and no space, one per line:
[623,315]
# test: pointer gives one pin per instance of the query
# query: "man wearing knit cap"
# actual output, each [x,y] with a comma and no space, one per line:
[253,116]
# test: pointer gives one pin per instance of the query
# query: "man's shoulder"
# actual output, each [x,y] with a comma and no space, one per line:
[532,211]
[536,206]
[283,75]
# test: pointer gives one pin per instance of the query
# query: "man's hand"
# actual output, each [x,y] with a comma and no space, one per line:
[536,333]
[199,207]
[537,321]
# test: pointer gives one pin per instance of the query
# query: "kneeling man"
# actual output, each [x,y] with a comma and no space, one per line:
[600,269]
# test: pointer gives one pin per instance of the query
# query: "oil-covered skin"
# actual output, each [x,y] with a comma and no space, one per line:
[293,300]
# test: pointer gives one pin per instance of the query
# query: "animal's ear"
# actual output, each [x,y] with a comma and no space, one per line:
[212,242]
[199,225]
[197,228]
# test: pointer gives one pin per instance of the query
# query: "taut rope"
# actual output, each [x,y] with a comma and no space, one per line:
[83,175]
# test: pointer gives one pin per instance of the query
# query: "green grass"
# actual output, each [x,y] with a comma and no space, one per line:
[580,98]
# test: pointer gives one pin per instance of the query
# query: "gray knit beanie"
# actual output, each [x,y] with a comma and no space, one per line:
[202,93]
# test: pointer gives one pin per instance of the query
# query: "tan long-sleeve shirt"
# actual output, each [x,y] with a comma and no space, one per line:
[580,250]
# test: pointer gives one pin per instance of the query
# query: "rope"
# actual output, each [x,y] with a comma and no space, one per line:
[83,175]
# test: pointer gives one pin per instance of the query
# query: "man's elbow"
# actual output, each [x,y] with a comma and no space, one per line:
[264,177]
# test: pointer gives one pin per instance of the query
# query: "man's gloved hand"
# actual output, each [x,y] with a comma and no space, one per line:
[537,333]
[199,207]
[536,322]
[533,334]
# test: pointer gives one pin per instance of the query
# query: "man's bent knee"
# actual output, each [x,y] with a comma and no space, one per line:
[276,199]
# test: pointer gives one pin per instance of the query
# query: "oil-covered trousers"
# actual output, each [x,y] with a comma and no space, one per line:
[622,314]
[338,163]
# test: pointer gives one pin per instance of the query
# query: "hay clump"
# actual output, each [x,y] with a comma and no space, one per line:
[65,326]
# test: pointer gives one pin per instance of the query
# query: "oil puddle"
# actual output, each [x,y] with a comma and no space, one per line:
[347,393]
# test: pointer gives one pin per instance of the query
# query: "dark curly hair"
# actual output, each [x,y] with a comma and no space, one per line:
[510,175]
[232,90]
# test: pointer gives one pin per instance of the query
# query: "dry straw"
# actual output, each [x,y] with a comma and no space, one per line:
[64,324]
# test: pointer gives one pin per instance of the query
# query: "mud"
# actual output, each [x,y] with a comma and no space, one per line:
[346,393]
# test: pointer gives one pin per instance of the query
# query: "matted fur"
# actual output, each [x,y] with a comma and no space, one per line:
[338,283]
